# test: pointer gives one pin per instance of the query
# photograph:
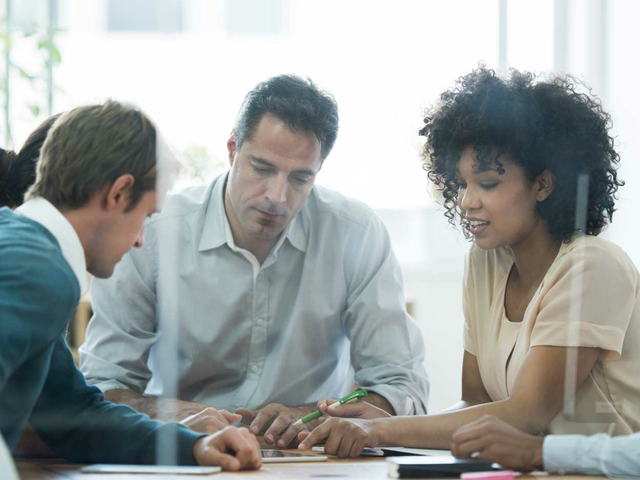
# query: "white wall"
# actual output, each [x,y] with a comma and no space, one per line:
[431,254]
[623,102]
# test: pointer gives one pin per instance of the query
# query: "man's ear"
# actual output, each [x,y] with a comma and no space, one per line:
[545,183]
[232,146]
[119,193]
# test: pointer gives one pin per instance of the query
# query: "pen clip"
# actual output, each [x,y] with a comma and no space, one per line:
[353,396]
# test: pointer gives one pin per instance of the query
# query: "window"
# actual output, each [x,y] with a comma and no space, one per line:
[145,16]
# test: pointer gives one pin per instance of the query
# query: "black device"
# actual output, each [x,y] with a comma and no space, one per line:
[434,467]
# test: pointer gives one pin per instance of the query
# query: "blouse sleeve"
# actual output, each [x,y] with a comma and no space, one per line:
[588,300]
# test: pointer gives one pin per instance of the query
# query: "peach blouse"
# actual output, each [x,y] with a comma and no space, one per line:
[588,298]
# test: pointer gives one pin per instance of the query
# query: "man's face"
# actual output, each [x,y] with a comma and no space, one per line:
[271,177]
[119,234]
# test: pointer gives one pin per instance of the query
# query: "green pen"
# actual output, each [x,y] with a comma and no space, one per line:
[357,395]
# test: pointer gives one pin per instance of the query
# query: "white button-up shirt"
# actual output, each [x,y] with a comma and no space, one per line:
[42,211]
[324,309]
[617,457]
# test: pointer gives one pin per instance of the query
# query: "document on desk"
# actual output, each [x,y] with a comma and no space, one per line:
[394,451]
[158,469]
[398,451]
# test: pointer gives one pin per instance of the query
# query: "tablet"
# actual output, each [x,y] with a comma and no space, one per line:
[394,451]
[366,452]
[280,456]
[166,469]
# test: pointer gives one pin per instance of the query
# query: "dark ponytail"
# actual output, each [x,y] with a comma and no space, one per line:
[18,171]
[8,160]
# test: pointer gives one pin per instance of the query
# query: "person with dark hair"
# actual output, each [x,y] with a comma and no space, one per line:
[528,167]
[18,171]
[94,187]
[279,287]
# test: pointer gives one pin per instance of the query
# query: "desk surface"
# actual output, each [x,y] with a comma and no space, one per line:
[359,469]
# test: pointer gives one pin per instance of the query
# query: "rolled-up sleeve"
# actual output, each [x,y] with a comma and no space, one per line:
[594,455]
[387,350]
[123,327]
[604,280]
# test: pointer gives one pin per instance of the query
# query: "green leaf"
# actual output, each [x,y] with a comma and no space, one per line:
[23,73]
[57,57]
[35,109]
[6,38]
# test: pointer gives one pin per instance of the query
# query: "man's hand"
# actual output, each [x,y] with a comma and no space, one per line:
[343,437]
[352,410]
[231,448]
[276,422]
[197,416]
[491,439]
[210,420]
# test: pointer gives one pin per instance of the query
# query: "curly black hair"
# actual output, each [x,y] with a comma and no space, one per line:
[538,124]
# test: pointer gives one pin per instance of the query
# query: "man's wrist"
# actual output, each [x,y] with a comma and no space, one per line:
[379,401]
[197,446]
[171,409]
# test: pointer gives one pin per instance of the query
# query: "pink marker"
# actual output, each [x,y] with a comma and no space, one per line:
[498,475]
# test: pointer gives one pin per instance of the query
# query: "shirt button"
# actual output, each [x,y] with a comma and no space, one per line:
[255,368]
[260,321]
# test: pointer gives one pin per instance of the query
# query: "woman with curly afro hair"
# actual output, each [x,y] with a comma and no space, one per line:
[515,158]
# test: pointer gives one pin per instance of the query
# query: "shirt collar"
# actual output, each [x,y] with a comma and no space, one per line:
[297,232]
[213,231]
[217,231]
[42,211]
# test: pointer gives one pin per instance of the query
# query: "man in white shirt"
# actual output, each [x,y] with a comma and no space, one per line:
[277,293]
[491,439]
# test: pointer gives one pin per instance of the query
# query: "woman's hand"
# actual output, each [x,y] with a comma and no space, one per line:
[342,437]
[352,410]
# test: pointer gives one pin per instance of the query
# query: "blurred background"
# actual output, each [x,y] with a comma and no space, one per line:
[189,63]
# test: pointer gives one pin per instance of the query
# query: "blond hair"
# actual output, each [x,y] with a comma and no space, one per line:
[89,147]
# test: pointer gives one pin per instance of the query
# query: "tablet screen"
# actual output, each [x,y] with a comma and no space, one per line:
[278,456]
[281,454]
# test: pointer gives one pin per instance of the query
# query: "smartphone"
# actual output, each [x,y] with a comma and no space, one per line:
[279,456]
[166,469]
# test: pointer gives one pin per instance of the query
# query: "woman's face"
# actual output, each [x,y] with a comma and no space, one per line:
[498,206]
